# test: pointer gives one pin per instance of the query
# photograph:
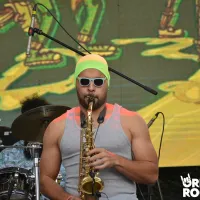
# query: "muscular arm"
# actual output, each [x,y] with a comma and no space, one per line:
[50,164]
[144,166]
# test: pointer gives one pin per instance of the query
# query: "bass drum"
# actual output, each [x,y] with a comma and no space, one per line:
[16,184]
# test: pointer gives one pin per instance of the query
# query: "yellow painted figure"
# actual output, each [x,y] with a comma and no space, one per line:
[89,15]
[169,19]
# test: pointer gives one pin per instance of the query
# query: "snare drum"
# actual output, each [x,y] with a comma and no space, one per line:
[16,183]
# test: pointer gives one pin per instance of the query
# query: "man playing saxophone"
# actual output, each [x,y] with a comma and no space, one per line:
[123,153]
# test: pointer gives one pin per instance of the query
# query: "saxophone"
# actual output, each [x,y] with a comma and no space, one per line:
[89,182]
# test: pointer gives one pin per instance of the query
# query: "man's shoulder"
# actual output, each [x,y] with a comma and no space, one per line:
[128,113]
[124,112]
[131,116]
[133,121]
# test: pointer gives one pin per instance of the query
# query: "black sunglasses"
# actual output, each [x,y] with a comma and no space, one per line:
[98,82]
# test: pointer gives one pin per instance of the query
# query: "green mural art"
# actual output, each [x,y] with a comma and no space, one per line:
[42,56]
[169,44]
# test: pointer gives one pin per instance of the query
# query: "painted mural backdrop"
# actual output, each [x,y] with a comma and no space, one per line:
[155,43]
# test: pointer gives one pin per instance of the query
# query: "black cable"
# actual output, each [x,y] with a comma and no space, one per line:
[92,174]
[141,192]
[161,138]
[98,194]
[163,129]
[63,27]
[160,191]
[96,132]
[104,194]
[93,182]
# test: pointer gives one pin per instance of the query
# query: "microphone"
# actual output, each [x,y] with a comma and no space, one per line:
[153,119]
[30,31]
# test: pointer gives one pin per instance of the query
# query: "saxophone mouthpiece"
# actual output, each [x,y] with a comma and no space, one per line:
[91,99]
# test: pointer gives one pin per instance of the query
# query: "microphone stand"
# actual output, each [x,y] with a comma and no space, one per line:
[150,186]
[40,32]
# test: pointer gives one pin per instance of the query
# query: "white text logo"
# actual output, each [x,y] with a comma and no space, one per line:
[190,186]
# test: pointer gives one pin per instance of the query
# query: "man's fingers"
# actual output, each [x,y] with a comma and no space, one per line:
[95,157]
[97,162]
[94,151]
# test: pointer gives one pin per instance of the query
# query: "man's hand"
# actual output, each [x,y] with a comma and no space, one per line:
[101,158]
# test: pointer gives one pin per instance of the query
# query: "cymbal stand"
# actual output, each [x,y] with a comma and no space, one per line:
[35,154]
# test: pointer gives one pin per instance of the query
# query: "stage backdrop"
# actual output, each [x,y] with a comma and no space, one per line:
[153,42]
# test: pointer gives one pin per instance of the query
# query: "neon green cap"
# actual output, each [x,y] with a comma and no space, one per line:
[92,61]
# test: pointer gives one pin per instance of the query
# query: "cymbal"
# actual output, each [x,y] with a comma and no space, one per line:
[31,125]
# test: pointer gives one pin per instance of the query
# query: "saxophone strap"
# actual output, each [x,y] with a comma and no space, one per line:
[100,119]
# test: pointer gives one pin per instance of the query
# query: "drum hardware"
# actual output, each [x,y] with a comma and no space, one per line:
[30,126]
[6,136]
[15,184]
[20,147]
[12,183]
[31,146]
[59,178]
[35,154]
[5,131]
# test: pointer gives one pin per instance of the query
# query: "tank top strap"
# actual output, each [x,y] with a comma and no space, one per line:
[70,120]
[116,113]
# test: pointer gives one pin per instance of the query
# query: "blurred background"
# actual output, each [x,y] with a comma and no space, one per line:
[153,42]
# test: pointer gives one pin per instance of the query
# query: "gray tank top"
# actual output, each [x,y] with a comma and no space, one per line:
[111,137]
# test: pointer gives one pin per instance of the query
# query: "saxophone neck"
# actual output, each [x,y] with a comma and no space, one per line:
[90,107]
[89,114]
[90,103]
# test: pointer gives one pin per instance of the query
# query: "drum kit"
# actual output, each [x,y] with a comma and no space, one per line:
[18,183]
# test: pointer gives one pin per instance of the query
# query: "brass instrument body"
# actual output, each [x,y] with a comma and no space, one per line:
[88,185]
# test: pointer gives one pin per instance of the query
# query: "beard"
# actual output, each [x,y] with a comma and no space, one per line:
[98,102]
